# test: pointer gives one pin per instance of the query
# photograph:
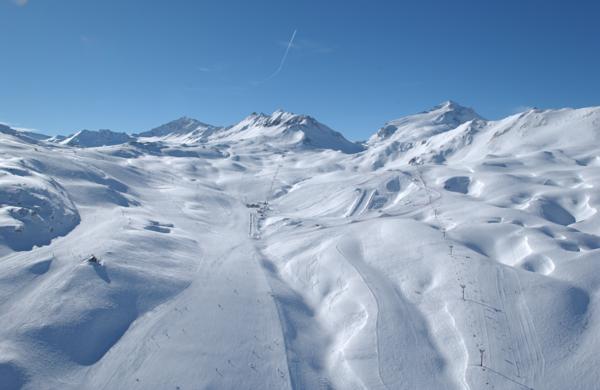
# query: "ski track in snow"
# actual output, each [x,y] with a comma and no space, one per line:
[396,328]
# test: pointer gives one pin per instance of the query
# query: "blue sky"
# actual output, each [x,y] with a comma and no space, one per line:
[132,65]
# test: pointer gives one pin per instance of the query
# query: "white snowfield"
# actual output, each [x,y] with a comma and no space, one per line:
[447,252]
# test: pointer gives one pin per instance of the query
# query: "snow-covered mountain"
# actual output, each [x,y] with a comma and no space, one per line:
[450,252]
[450,131]
[95,138]
[417,137]
[25,135]
[536,130]
[418,127]
[31,134]
[280,130]
[285,130]
[183,130]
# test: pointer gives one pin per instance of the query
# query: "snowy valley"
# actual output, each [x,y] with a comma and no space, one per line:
[446,252]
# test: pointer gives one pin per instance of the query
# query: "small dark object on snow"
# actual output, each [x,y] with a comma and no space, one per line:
[93,259]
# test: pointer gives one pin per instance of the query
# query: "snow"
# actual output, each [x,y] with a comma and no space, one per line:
[285,130]
[26,136]
[451,252]
[91,139]
[183,130]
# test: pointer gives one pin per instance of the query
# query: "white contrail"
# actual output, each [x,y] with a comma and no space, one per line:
[287,49]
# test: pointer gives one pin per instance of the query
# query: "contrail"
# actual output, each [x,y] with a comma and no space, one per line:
[287,49]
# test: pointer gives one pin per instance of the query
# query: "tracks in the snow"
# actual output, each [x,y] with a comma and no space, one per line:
[504,338]
[378,339]
[300,331]
[404,345]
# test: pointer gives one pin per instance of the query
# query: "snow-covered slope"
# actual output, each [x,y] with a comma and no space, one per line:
[95,138]
[34,208]
[284,130]
[439,119]
[23,132]
[280,131]
[26,136]
[535,130]
[183,130]
[452,132]
[411,137]
[452,253]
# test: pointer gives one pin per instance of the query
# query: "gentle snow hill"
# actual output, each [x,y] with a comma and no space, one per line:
[95,138]
[567,130]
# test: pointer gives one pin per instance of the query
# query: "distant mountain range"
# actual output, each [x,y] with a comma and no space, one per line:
[434,135]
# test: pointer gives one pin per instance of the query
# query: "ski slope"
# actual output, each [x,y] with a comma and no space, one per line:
[447,252]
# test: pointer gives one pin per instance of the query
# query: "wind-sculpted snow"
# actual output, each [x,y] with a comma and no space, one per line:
[451,253]
[34,208]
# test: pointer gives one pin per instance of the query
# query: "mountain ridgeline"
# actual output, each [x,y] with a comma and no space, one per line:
[445,132]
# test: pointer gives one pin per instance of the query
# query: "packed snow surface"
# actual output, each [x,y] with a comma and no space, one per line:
[447,252]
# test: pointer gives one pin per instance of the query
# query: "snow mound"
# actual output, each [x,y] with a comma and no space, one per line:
[34,208]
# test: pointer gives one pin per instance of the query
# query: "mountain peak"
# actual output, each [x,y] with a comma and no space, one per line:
[445,116]
[186,120]
[449,104]
[288,130]
[451,111]
[179,126]
[279,117]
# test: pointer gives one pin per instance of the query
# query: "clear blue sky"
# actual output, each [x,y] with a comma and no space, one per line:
[132,65]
